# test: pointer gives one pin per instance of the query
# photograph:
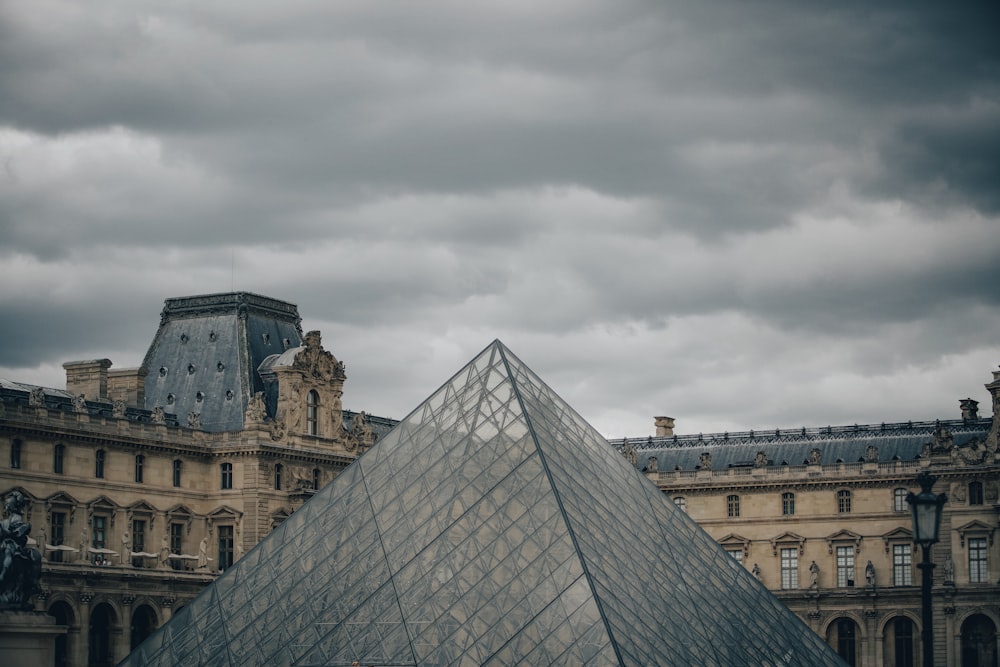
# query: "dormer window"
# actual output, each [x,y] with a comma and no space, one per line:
[312,411]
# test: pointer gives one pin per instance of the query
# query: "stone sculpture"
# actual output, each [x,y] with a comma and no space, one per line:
[21,565]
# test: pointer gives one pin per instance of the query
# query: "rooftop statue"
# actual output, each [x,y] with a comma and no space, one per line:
[22,565]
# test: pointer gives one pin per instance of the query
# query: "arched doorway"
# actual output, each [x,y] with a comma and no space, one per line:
[842,635]
[143,624]
[102,620]
[979,642]
[63,614]
[900,643]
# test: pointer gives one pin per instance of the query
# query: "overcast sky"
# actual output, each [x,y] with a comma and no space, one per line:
[738,214]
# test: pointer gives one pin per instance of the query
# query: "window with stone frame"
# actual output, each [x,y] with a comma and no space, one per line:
[789,568]
[975,493]
[177,472]
[845,567]
[733,506]
[843,501]
[312,413]
[58,458]
[681,503]
[57,535]
[902,564]
[978,571]
[99,459]
[99,537]
[899,500]
[15,454]
[138,541]
[140,462]
[226,472]
[225,546]
[278,469]
[316,479]
[788,503]
[177,544]
[737,554]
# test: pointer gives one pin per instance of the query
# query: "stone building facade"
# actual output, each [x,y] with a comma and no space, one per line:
[143,484]
[820,517]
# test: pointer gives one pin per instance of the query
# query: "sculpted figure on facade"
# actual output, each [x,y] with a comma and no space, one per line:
[628,451]
[118,408]
[158,416]
[256,410]
[871,454]
[79,403]
[815,456]
[756,571]
[36,399]
[760,461]
[20,565]
[949,570]
[705,461]
[194,420]
[813,575]
[651,464]
[316,361]
[870,574]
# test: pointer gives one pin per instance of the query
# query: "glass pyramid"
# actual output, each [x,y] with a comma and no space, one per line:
[492,526]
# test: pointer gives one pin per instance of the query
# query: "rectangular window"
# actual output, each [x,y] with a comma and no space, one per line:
[176,544]
[140,462]
[902,565]
[227,475]
[99,464]
[788,504]
[15,454]
[899,500]
[177,472]
[225,547]
[844,501]
[58,536]
[977,560]
[57,459]
[99,538]
[975,493]
[845,567]
[790,568]
[737,554]
[138,540]
[733,506]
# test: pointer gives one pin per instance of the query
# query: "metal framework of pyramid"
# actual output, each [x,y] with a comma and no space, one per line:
[492,526]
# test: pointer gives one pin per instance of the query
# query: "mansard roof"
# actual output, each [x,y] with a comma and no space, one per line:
[836,444]
[206,351]
[491,547]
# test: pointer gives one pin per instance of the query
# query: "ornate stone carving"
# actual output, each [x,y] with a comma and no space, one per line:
[651,464]
[256,410]
[128,599]
[871,454]
[814,456]
[194,420]
[36,399]
[79,403]
[628,451]
[705,461]
[157,416]
[21,565]
[85,597]
[278,429]
[760,461]
[118,408]
[943,441]
[316,361]
[870,574]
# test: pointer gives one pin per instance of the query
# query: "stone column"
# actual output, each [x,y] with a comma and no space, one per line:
[80,654]
[123,643]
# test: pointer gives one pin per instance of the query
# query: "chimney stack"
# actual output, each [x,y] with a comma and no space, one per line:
[970,408]
[89,378]
[664,426]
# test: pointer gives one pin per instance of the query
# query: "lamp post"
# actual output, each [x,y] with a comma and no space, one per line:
[926,508]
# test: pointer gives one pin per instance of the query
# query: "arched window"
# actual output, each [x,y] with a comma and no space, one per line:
[140,461]
[900,649]
[227,475]
[63,614]
[733,506]
[844,501]
[312,410]
[277,476]
[143,624]
[15,454]
[99,464]
[102,622]
[978,641]
[843,636]
[975,493]
[899,500]
[58,454]
[177,472]
[788,503]
[682,503]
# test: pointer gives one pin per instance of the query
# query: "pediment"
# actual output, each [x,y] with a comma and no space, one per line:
[733,539]
[142,507]
[180,511]
[975,529]
[102,503]
[786,539]
[225,512]
[842,537]
[61,498]
[897,535]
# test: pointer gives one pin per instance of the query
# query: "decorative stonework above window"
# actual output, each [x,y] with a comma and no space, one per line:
[896,536]
[733,541]
[788,540]
[975,529]
[843,538]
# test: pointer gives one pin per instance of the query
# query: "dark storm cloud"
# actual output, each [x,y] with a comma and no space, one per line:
[661,202]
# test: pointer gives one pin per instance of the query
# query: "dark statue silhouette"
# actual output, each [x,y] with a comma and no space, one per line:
[21,565]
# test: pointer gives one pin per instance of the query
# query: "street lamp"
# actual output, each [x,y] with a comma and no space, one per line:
[926,509]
